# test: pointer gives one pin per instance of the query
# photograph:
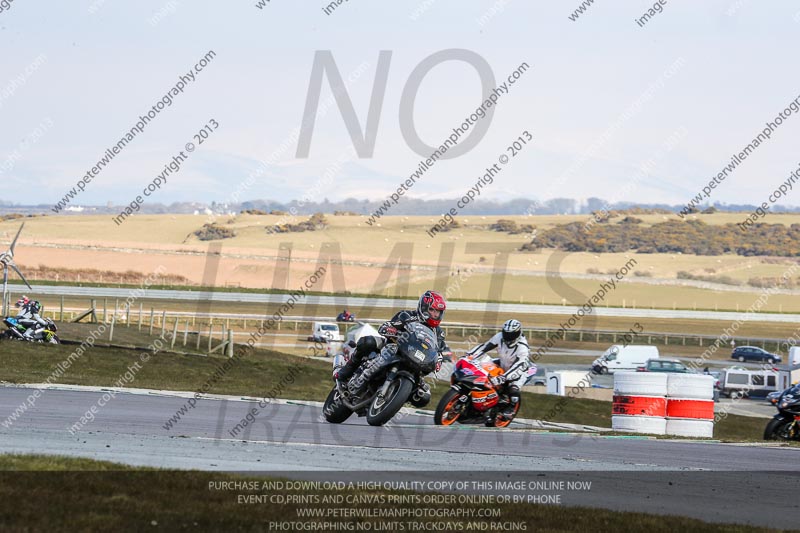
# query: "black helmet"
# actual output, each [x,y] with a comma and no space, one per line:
[512,329]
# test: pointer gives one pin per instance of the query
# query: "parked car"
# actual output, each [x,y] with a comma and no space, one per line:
[664,365]
[325,332]
[754,354]
[717,375]
[773,397]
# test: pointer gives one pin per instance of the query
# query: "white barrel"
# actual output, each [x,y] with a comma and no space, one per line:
[654,425]
[697,386]
[640,383]
[687,427]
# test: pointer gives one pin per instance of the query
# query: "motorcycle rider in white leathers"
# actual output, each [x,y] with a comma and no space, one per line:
[512,348]
[29,316]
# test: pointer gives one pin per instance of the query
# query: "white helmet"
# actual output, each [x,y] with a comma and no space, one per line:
[512,329]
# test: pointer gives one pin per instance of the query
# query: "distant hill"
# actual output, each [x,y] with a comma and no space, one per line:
[519,206]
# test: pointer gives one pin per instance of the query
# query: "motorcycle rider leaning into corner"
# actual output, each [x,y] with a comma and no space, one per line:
[512,347]
[29,315]
[430,311]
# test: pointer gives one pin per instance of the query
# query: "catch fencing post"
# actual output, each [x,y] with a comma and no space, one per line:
[111,329]
[174,333]
[62,309]
[152,318]
[105,309]
[186,332]
[210,332]
[230,343]
[140,316]
[163,323]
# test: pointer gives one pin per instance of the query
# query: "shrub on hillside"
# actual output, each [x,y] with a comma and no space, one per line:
[214,232]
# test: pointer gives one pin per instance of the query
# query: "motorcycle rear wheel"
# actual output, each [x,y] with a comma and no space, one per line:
[777,429]
[381,410]
[444,415]
[334,410]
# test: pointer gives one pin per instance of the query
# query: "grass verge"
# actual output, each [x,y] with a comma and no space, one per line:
[85,495]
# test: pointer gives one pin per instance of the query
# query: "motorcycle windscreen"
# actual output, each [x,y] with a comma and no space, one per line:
[420,345]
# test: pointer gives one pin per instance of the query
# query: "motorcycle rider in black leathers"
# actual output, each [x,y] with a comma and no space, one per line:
[430,311]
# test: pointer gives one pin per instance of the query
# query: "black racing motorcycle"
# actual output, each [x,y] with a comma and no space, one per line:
[786,424]
[397,373]
[16,331]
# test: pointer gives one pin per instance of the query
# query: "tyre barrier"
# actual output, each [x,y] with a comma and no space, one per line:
[640,406]
[694,409]
[690,405]
[653,425]
[640,383]
[663,404]
[685,427]
[697,386]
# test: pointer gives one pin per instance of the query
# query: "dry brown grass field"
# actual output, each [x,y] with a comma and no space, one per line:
[145,242]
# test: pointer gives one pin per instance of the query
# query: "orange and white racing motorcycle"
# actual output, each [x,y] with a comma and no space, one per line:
[473,397]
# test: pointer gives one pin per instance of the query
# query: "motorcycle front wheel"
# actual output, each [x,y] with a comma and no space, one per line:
[334,410]
[778,429]
[501,421]
[382,409]
[446,412]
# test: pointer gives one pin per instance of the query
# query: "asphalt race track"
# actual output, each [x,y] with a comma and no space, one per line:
[711,481]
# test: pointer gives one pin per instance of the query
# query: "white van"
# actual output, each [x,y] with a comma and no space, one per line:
[741,383]
[325,332]
[619,357]
[794,356]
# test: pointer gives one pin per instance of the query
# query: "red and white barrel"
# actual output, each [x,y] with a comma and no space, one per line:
[640,402]
[690,405]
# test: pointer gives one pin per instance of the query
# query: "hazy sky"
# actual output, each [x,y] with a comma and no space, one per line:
[103,63]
